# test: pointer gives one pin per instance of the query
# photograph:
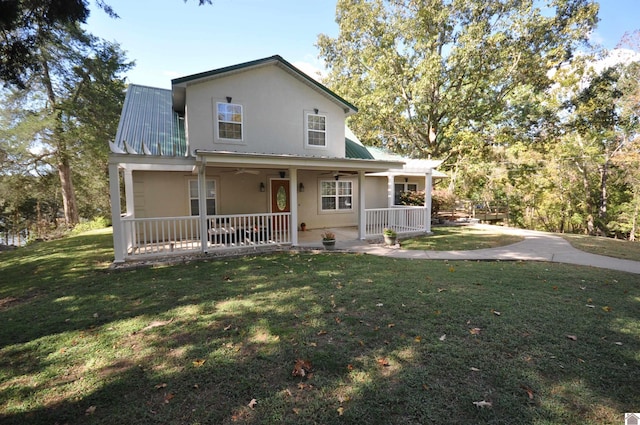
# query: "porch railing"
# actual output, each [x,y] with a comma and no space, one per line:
[402,219]
[175,235]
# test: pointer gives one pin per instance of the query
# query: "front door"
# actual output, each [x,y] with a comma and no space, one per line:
[280,203]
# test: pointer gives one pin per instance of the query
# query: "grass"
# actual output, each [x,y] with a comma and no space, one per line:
[389,341]
[617,248]
[453,238]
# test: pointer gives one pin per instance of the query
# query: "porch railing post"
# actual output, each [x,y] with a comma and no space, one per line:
[362,217]
[116,220]
[428,185]
[202,206]
[293,194]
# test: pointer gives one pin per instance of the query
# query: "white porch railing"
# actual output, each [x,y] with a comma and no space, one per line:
[175,235]
[402,219]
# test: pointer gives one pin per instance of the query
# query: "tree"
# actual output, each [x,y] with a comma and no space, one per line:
[69,110]
[430,76]
[25,26]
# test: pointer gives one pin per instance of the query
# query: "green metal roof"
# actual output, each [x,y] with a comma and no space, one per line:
[148,122]
[355,150]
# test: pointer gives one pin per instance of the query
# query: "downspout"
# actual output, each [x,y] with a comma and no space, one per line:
[116,219]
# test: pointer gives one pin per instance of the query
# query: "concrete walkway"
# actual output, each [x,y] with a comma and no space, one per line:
[536,246]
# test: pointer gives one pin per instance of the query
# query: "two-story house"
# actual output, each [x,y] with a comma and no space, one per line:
[240,156]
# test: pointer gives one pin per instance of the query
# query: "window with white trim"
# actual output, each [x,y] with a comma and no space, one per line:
[194,202]
[229,121]
[315,130]
[401,188]
[336,195]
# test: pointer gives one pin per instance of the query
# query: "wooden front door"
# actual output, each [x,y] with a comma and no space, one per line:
[280,203]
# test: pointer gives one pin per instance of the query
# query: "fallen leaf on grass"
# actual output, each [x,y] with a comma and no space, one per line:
[572,337]
[452,269]
[390,325]
[226,328]
[483,403]
[163,385]
[443,337]
[497,313]
[340,410]
[253,403]
[606,308]
[418,339]
[90,410]
[618,343]
[590,305]
[475,331]
[301,368]
[323,332]
[349,366]
[383,362]
[528,390]
[441,289]
[168,397]
[199,362]
[474,369]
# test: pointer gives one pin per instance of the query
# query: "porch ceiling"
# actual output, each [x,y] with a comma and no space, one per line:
[237,159]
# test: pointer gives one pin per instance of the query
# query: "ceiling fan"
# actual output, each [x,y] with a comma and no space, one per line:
[337,174]
[243,171]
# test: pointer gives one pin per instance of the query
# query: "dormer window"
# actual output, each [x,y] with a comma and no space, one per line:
[229,121]
[316,130]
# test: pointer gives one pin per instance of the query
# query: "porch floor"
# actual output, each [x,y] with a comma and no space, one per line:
[345,237]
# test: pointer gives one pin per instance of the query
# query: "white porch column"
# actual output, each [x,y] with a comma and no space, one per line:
[428,186]
[362,213]
[128,192]
[116,222]
[293,194]
[391,190]
[202,206]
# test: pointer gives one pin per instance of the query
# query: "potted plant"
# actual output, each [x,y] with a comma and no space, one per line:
[303,226]
[329,240]
[390,236]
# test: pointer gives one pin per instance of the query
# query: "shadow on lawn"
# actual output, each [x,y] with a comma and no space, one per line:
[229,331]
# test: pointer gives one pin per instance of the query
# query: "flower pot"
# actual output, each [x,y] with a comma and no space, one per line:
[329,245]
[390,240]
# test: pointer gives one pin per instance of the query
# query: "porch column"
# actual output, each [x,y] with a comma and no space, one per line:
[391,189]
[428,186]
[128,192]
[116,223]
[202,206]
[293,194]
[362,212]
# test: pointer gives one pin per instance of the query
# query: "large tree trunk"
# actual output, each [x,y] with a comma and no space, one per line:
[602,208]
[68,194]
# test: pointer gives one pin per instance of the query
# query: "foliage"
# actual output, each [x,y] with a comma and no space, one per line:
[328,236]
[387,340]
[95,224]
[389,232]
[431,76]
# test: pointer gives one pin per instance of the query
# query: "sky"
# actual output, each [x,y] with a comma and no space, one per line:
[170,38]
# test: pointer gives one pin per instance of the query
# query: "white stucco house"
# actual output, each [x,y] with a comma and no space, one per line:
[241,156]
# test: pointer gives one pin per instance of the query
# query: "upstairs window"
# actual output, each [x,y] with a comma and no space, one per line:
[336,195]
[316,130]
[229,117]
[194,203]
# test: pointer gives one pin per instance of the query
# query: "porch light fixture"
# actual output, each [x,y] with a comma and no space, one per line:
[228,99]
[337,177]
[282,174]
[262,188]
[316,110]
[301,188]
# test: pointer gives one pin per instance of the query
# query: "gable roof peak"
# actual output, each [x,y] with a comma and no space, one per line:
[179,85]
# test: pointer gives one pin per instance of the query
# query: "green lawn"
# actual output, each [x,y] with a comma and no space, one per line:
[387,341]
[617,248]
[453,238]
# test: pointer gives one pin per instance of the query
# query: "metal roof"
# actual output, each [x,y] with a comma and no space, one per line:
[149,125]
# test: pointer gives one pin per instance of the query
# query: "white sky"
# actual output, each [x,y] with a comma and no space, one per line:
[171,38]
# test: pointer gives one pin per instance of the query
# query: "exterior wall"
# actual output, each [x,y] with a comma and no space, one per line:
[309,203]
[161,193]
[376,192]
[274,105]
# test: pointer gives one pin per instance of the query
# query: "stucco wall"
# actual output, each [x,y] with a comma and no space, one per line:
[274,104]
